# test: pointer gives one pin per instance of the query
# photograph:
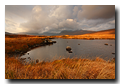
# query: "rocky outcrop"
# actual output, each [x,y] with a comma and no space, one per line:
[48,41]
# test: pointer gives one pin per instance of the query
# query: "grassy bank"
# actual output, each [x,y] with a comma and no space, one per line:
[60,69]
[16,44]
[57,69]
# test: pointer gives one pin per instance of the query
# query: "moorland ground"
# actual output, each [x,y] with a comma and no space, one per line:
[58,69]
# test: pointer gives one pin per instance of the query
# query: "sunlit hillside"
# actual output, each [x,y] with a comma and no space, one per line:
[106,34]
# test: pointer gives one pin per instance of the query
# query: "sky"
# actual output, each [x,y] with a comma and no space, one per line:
[56,18]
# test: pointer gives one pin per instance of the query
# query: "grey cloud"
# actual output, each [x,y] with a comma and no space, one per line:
[75,10]
[41,19]
[94,22]
[103,27]
[55,18]
[23,11]
[97,11]
[14,15]
[62,12]
[9,22]
[98,25]
[68,24]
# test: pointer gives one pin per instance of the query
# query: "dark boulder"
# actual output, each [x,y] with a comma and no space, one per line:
[106,44]
[28,53]
[29,58]
[113,53]
[37,60]
[50,42]
[68,48]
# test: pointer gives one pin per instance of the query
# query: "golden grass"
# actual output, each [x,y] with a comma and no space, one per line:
[60,69]
[21,43]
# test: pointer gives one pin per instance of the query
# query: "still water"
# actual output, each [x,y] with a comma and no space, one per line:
[89,49]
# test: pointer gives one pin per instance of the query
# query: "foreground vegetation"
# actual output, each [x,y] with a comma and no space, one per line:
[60,69]
[57,69]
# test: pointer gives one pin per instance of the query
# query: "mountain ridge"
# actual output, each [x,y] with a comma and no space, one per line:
[64,32]
[76,32]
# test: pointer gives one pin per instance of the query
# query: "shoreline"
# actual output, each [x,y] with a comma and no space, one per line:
[57,69]
[22,52]
[84,38]
[29,47]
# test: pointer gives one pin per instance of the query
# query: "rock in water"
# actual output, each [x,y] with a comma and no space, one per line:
[29,58]
[50,42]
[37,60]
[113,53]
[68,48]
[106,44]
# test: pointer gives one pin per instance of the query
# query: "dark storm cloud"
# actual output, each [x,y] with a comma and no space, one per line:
[97,11]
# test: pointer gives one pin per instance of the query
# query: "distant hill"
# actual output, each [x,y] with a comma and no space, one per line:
[7,33]
[104,34]
[67,32]
[49,34]
[76,32]
[109,31]
[45,33]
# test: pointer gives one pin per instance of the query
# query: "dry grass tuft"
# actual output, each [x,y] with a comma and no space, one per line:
[60,69]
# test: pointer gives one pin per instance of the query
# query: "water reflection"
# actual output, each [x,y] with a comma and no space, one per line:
[89,49]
